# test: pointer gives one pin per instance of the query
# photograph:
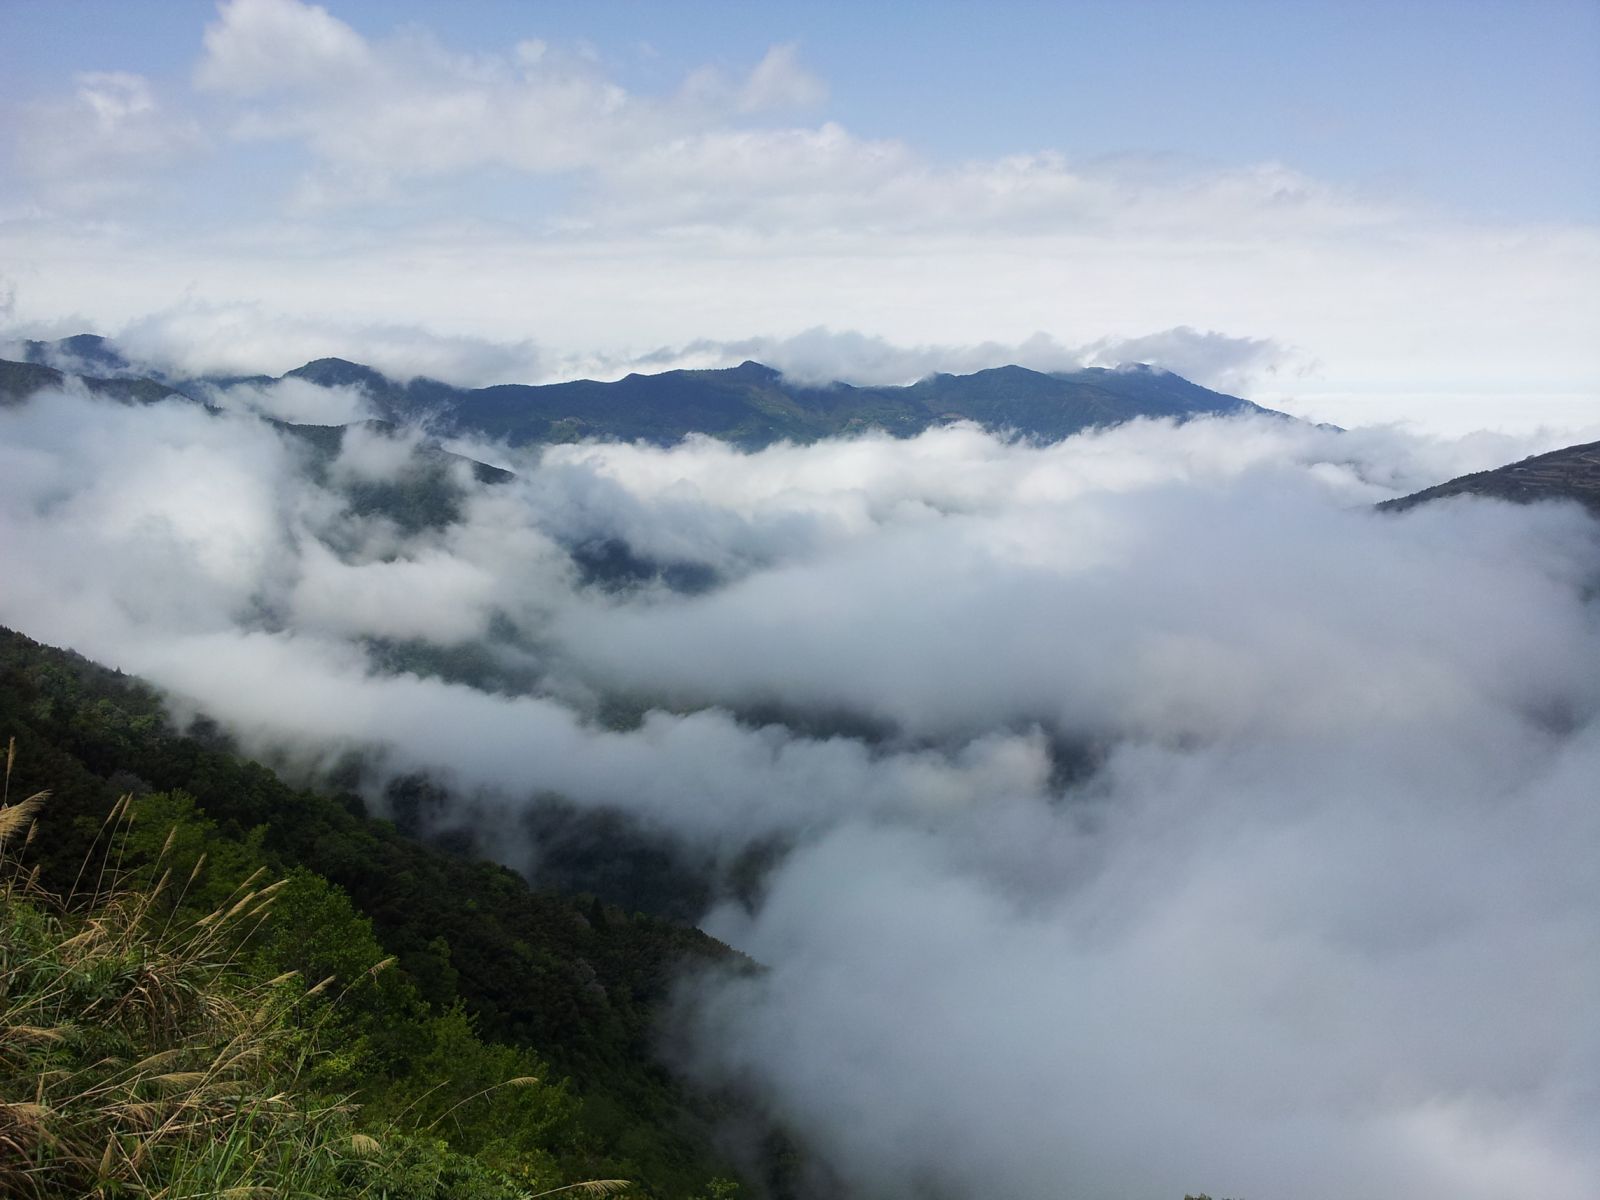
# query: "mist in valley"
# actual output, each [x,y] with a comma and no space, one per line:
[1138,813]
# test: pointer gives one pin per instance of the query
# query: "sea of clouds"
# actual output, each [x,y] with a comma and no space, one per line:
[1150,813]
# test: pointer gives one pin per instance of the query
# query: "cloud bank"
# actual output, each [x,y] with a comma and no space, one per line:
[193,340]
[1146,813]
[455,208]
[821,355]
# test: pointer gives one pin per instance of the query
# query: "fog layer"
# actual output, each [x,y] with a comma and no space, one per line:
[1157,816]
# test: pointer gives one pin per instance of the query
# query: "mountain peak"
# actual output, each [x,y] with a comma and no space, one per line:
[750,405]
[335,372]
[1007,371]
[1571,473]
[80,354]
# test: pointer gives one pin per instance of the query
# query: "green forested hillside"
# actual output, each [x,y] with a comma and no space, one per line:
[19,380]
[426,493]
[493,979]
[174,1026]
[753,405]
[1571,473]
[750,405]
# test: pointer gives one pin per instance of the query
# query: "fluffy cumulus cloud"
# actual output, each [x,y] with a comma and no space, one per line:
[1144,813]
[294,400]
[821,355]
[195,338]
[827,180]
[258,47]
[373,113]
[1228,364]
[1216,980]
[417,202]
[107,141]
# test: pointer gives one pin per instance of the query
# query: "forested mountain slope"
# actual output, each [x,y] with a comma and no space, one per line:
[1571,473]
[750,405]
[579,983]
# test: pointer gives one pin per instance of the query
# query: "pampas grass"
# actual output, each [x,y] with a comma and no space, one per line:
[139,1059]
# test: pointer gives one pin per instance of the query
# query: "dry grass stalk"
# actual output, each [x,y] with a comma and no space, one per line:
[589,1187]
[19,815]
[144,1063]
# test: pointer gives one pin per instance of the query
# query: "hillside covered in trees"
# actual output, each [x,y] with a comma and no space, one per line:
[750,405]
[491,980]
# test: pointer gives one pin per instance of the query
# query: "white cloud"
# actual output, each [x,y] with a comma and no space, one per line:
[430,595]
[262,46]
[296,401]
[198,338]
[1233,835]
[1058,541]
[376,112]
[821,355]
[1215,986]
[779,81]
[1228,364]
[606,222]
[108,142]
[828,179]
[595,301]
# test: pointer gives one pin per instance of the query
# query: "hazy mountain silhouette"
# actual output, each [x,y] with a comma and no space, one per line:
[750,405]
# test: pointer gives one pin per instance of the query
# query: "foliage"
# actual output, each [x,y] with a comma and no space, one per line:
[147,1048]
[1571,473]
[426,493]
[750,405]
[493,980]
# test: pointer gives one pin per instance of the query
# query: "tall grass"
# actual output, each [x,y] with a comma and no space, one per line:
[140,1057]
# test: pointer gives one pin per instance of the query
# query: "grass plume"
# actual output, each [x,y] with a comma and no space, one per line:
[145,1054]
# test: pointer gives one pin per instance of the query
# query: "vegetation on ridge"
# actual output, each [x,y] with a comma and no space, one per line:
[151,1046]
[1570,473]
[750,405]
[492,981]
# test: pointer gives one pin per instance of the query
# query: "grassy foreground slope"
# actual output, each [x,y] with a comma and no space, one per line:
[492,979]
[154,1042]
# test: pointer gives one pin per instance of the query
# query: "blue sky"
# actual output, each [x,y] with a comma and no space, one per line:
[1484,107]
[1308,176]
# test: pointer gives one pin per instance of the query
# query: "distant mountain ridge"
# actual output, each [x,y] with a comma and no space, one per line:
[1571,473]
[750,405]
[93,361]
[753,405]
